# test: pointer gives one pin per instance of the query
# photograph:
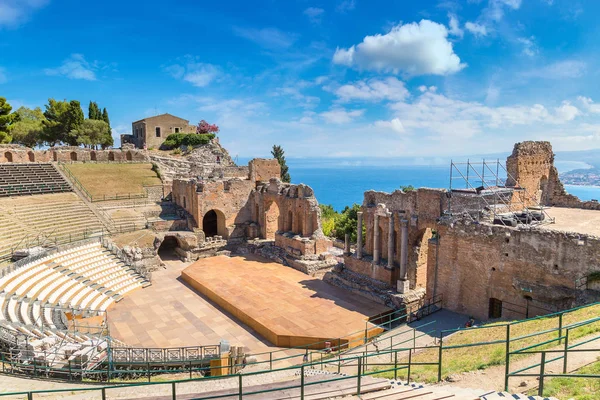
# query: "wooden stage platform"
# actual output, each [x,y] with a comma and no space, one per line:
[285,306]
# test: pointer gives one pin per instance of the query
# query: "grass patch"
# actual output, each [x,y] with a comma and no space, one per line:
[459,360]
[114,179]
[574,388]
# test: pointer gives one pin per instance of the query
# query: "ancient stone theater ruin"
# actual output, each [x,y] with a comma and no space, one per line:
[123,260]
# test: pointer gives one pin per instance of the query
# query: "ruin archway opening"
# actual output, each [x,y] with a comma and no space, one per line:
[167,249]
[8,156]
[128,156]
[213,224]
[422,257]
[111,156]
[73,156]
[55,156]
[93,156]
[300,225]
[31,156]
[543,198]
[271,220]
[290,225]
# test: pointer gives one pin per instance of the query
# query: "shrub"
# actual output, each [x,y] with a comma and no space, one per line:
[175,140]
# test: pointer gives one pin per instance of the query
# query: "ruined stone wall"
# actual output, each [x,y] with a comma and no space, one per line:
[531,166]
[68,154]
[262,170]
[479,262]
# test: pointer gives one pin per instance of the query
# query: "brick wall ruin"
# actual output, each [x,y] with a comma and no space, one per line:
[255,207]
[67,154]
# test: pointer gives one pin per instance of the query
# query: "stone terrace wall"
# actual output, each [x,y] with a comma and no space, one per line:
[479,262]
[67,154]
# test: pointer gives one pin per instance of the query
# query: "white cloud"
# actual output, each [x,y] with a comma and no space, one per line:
[345,6]
[476,29]
[295,93]
[558,70]
[75,67]
[341,116]
[589,105]
[373,90]
[3,77]
[454,26]
[567,112]
[270,38]
[314,14]
[395,125]
[15,12]
[197,73]
[413,49]
[529,47]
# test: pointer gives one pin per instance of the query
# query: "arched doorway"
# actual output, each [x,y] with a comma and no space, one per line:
[93,155]
[544,190]
[422,257]
[8,156]
[213,224]
[73,156]
[271,220]
[166,251]
[55,155]
[31,156]
[111,156]
[300,224]
[128,156]
[290,221]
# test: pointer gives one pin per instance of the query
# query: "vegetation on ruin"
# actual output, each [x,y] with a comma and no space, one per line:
[408,188]
[576,389]
[6,119]
[115,179]
[465,359]
[337,224]
[279,154]
[176,140]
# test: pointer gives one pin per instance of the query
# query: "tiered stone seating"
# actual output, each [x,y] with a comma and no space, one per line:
[33,297]
[44,219]
[25,179]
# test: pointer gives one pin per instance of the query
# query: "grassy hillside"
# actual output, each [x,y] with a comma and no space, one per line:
[114,179]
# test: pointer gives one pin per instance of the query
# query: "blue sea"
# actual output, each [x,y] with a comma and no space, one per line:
[342,186]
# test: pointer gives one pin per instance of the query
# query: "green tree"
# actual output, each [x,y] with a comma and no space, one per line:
[28,126]
[6,119]
[54,124]
[91,133]
[94,111]
[328,217]
[278,153]
[347,222]
[105,117]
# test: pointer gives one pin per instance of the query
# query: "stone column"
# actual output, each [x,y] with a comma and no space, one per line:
[359,228]
[347,244]
[391,241]
[404,249]
[376,238]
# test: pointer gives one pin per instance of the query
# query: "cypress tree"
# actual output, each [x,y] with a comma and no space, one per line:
[278,153]
[104,116]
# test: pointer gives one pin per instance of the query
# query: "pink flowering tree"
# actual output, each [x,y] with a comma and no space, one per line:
[205,127]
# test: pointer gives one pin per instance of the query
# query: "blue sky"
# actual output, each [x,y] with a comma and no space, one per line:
[338,78]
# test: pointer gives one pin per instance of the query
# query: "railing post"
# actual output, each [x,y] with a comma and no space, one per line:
[542,370]
[440,357]
[396,364]
[271,360]
[29,396]
[148,370]
[190,369]
[409,362]
[560,326]
[507,358]
[358,378]
[566,352]
[240,390]
[302,382]
[103,392]
[414,339]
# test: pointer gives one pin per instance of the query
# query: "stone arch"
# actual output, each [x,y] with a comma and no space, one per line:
[31,156]
[55,155]
[271,220]
[128,156]
[421,252]
[93,156]
[213,224]
[111,156]
[544,195]
[8,156]
[167,250]
[73,156]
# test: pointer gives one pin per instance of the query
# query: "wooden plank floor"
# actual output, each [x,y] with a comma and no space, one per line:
[287,307]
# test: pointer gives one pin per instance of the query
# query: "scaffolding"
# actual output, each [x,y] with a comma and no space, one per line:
[485,190]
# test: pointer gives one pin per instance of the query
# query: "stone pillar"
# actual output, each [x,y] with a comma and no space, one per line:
[346,244]
[403,283]
[359,226]
[391,241]
[376,238]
